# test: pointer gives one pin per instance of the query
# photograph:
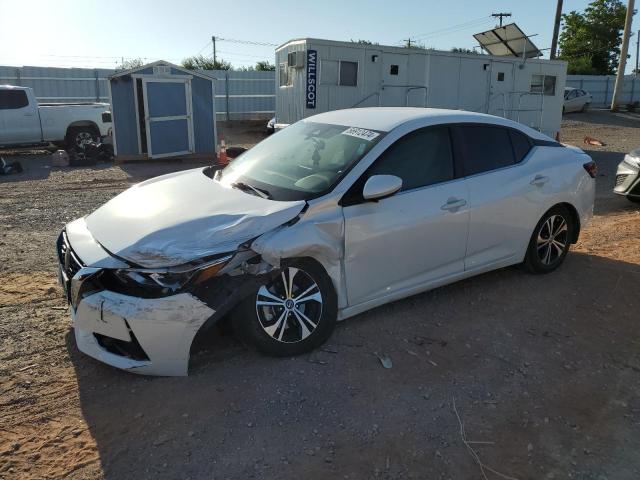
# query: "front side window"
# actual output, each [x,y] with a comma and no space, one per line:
[302,161]
[348,73]
[420,158]
[13,99]
[482,148]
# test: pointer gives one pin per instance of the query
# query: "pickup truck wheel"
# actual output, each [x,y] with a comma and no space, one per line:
[78,136]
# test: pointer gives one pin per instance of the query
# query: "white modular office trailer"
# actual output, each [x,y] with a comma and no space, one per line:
[315,76]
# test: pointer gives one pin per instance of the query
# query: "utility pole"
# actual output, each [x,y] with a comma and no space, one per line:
[622,64]
[556,31]
[408,40]
[637,52]
[213,40]
[500,15]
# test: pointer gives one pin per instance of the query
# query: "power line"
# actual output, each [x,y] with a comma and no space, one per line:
[205,47]
[247,42]
[460,26]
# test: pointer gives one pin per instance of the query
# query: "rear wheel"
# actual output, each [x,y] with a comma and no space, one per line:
[291,314]
[550,241]
[78,136]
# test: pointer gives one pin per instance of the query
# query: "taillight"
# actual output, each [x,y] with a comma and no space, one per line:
[591,168]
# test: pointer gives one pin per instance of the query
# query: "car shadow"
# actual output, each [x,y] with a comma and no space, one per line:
[495,337]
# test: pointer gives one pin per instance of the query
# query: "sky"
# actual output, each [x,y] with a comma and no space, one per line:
[88,33]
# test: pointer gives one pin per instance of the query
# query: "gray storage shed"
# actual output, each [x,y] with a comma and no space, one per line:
[162,110]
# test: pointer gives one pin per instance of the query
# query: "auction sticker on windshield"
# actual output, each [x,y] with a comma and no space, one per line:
[361,133]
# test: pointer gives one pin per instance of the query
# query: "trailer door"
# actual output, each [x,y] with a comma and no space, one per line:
[394,79]
[501,89]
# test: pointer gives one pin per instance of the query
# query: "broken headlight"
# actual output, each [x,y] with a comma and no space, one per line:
[159,283]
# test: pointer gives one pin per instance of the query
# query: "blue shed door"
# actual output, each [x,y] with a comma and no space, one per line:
[167,105]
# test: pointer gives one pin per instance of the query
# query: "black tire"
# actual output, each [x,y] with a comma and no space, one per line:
[585,107]
[544,254]
[253,321]
[634,199]
[77,135]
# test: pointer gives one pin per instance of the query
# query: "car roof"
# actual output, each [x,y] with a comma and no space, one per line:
[570,88]
[386,119]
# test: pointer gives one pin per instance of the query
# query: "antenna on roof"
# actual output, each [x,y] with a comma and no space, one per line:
[500,15]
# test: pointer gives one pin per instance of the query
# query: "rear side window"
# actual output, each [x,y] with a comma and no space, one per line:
[13,99]
[521,145]
[419,158]
[482,148]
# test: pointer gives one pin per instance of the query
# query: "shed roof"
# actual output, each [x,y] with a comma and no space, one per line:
[164,63]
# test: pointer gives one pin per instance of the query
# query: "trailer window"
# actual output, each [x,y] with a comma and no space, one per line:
[545,84]
[329,72]
[285,76]
[393,70]
[13,99]
[348,73]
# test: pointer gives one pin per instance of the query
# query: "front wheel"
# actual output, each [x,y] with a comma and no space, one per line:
[291,314]
[550,241]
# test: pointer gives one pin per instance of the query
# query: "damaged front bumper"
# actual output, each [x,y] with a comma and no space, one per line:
[143,334]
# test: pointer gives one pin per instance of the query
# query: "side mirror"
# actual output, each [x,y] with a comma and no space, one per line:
[378,187]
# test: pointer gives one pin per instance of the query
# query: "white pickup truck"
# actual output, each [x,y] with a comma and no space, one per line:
[25,123]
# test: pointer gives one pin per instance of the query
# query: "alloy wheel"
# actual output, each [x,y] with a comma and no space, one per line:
[552,239]
[82,138]
[290,307]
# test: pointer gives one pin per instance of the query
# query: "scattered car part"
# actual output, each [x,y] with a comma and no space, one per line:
[594,141]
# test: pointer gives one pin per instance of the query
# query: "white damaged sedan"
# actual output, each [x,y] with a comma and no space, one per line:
[332,216]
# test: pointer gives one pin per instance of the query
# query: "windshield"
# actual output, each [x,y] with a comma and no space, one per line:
[302,161]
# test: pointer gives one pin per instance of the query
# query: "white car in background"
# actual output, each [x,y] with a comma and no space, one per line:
[576,100]
[332,216]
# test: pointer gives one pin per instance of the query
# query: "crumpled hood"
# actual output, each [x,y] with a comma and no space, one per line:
[176,218]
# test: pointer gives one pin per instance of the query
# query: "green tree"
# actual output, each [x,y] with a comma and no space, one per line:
[363,42]
[265,66]
[464,50]
[590,40]
[130,63]
[200,62]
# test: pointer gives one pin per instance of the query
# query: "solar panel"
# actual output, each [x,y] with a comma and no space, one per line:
[507,41]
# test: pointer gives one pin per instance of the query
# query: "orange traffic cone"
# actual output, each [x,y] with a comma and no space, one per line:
[222,155]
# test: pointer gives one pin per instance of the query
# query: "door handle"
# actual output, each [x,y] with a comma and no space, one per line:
[539,180]
[453,204]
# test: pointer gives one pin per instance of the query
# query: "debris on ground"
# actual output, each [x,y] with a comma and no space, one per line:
[385,361]
[594,141]
[9,168]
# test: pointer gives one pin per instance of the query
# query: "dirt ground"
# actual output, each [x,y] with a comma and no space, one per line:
[543,371]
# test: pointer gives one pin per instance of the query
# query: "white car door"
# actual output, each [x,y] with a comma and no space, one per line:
[417,235]
[21,124]
[505,193]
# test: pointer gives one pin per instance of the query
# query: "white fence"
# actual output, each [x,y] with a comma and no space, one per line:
[239,95]
[601,88]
